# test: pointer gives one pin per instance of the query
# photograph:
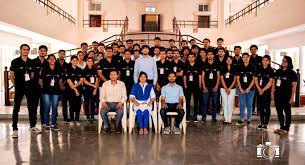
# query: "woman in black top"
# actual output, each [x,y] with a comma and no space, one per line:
[91,83]
[227,89]
[51,83]
[75,80]
[263,81]
[284,87]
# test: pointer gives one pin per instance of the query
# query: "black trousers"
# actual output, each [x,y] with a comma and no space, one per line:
[282,106]
[37,97]
[254,101]
[263,106]
[74,105]
[188,94]
[19,93]
[172,108]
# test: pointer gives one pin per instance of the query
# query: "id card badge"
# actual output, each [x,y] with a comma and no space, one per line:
[128,72]
[227,75]
[278,82]
[245,79]
[161,70]
[175,69]
[211,76]
[261,82]
[52,82]
[92,80]
[26,76]
[191,78]
[75,82]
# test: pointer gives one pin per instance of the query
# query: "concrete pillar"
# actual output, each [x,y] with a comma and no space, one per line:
[301,67]
[220,17]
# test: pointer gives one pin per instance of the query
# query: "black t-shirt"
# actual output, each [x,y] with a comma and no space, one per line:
[117,57]
[210,76]
[90,75]
[246,75]
[216,52]
[228,76]
[283,81]
[63,69]
[163,69]
[127,71]
[24,72]
[39,66]
[263,75]
[107,66]
[178,67]
[200,62]
[257,61]
[74,75]
[50,79]
[221,64]
[152,49]
[192,73]
[237,63]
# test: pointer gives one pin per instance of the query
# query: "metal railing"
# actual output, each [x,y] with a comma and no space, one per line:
[247,10]
[55,9]
[197,24]
[94,23]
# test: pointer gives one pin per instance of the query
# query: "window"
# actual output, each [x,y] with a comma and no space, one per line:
[95,7]
[150,9]
[203,21]
[203,8]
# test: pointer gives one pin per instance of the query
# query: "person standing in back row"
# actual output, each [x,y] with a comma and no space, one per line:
[22,76]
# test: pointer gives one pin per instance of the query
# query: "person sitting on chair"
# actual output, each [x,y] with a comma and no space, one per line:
[112,96]
[172,101]
[142,95]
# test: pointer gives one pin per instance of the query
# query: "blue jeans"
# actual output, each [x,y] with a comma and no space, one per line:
[48,100]
[205,98]
[112,108]
[246,100]
[143,118]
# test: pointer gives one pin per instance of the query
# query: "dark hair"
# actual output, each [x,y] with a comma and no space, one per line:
[289,61]
[136,50]
[245,54]
[91,51]
[186,48]
[221,49]
[176,50]
[43,47]
[89,59]
[142,41]
[122,46]
[108,47]
[51,55]
[253,46]
[206,39]
[210,51]
[114,44]
[136,44]
[24,45]
[114,70]
[129,40]
[79,52]
[191,54]
[61,50]
[195,46]
[94,42]
[269,59]
[157,38]
[101,44]
[127,50]
[73,57]
[171,40]
[171,72]
[220,39]
[183,41]
[145,46]
[202,50]
[169,50]
[142,73]
[84,43]
[236,47]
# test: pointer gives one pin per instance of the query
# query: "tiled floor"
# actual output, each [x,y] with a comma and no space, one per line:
[203,144]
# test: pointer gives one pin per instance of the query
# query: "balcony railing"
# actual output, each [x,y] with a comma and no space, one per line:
[197,24]
[247,10]
[55,9]
[101,23]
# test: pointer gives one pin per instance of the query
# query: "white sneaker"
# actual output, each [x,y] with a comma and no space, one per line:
[78,123]
[166,131]
[15,134]
[72,123]
[176,131]
[34,130]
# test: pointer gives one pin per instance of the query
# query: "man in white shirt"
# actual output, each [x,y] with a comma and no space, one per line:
[112,97]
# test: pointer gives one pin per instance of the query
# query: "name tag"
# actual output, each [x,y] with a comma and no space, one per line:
[52,82]
[191,78]
[75,82]
[128,72]
[245,79]
[92,80]
[211,76]
[278,82]
[161,70]
[261,82]
[175,69]
[227,75]
[26,77]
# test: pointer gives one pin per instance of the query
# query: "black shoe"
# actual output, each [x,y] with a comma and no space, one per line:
[224,123]
[260,127]
[195,120]
[47,129]
[265,127]
[118,130]
[106,130]
[249,123]
[214,120]
[239,123]
[55,128]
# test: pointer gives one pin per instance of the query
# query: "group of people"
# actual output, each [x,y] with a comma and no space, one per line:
[137,73]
